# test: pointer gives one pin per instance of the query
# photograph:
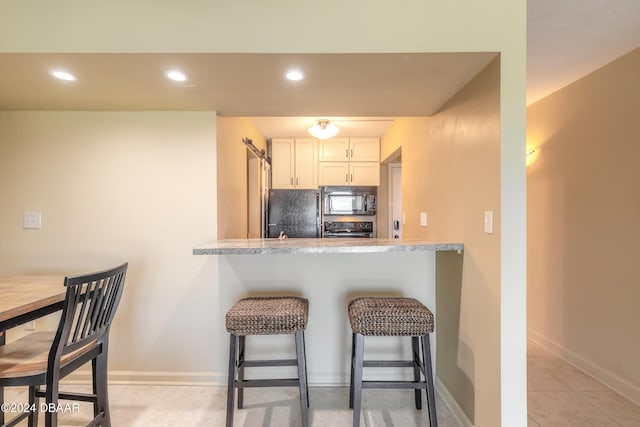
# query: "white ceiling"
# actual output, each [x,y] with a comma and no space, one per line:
[566,40]
[253,85]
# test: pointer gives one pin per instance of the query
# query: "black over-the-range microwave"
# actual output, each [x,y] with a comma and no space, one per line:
[349,200]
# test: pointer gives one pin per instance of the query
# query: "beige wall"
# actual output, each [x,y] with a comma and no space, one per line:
[450,169]
[583,209]
[115,187]
[232,174]
[359,26]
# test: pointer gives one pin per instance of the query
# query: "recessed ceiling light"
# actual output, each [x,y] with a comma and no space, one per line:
[177,76]
[294,75]
[63,75]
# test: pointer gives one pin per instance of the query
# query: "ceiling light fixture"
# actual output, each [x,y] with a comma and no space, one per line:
[294,75]
[177,76]
[63,75]
[324,129]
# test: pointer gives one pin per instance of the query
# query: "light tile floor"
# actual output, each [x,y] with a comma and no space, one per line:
[564,396]
[559,396]
[177,406]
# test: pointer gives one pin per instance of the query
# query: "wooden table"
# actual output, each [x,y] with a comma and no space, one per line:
[25,298]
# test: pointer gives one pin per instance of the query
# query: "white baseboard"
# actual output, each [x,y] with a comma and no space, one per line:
[220,378]
[154,378]
[451,404]
[611,380]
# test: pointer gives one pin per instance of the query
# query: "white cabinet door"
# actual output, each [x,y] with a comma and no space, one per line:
[364,173]
[305,164]
[344,173]
[283,163]
[364,149]
[334,150]
[333,173]
[294,163]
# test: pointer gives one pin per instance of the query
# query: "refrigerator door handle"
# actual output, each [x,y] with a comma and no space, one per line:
[318,219]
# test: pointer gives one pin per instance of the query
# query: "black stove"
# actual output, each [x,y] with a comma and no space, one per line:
[352,229]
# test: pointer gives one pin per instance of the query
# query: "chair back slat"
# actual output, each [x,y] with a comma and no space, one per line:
[90,304]
[90,322]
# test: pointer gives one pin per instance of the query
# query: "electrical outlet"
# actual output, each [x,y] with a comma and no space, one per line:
[32,220]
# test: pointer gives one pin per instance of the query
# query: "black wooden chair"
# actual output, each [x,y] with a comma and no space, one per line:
[43,358]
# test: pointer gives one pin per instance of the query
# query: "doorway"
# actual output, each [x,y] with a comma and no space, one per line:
[395,201]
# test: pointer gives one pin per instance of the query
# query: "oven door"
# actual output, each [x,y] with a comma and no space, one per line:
[353,234]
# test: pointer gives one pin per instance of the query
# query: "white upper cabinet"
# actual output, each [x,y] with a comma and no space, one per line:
[334,150]
[349,173]
[294,163]
[350,149]
[349,161]
[306,164]
[364,173]
[364,149]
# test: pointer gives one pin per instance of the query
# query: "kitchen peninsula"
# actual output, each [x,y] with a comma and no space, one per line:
[329,272]
[300,246]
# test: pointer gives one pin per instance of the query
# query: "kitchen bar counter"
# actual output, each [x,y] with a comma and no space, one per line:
[329,272]
[320,246]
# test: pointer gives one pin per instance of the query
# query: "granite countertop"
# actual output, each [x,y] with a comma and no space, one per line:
[321,246]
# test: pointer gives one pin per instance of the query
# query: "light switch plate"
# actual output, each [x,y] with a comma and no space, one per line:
[423,219]
[488,222]
[32,220]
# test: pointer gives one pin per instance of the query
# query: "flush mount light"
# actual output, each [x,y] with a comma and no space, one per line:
[176,76]
[324,130]
[294,75]
[63,75]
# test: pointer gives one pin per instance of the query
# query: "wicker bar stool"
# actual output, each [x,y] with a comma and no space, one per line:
[374,316]
[266,316]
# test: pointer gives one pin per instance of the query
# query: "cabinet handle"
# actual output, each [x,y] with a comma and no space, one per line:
[346,153]
[351,152]
[351,177]
[291,180]
[346,177]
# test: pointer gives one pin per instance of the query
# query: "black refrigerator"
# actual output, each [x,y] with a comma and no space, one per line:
[296,213]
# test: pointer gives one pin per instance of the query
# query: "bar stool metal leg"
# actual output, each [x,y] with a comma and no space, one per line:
[428,373]
[302,378]
[231,380]
[357,378]
[353,355]
[415,347]
[306,378]
[240,368]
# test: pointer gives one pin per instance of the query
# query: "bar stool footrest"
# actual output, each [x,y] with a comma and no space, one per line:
[256,363]
[388,364]
[394,384]
[293,382]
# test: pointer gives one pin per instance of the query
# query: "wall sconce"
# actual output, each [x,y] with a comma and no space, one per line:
[532,156]
[324,130]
